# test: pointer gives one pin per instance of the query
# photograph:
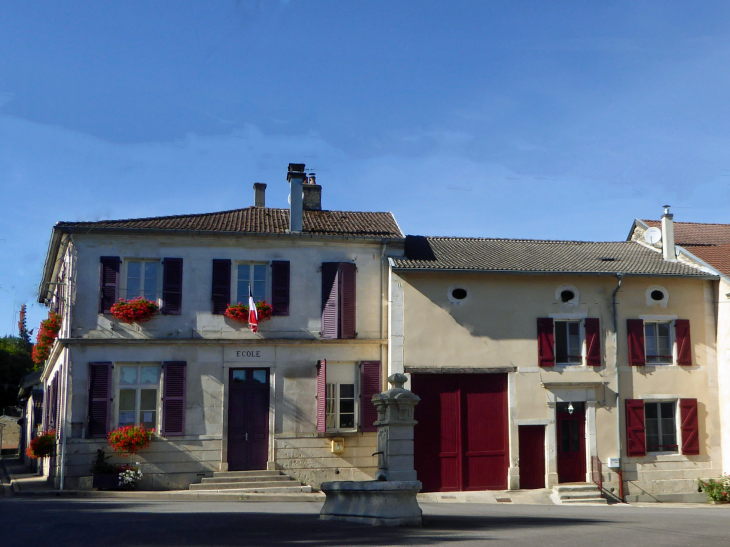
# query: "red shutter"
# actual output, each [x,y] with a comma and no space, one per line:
[100,398]
[347,298]
[684,344]
[593,342]
[280,287]
[690,427]
[172,286]
[221,294]
[370,384]
[173,398]
[635,432]
[545,342]
[637,351]
[322,395]
[109,282]
[330,300]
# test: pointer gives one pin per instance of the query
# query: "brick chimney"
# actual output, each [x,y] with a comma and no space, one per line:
[259,194]
[296,178]
[668,250]
[312,194]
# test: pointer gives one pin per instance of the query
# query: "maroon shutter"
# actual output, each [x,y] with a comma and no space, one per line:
[109,282]
[593,342]
[347,299]
[635,432]
[280,287]
[51,414]
[100,398]
[172,276]
[684,344]
[322,395]
[370,384]
[690,427]
[221,294]
[330,300]
[173,398]
[545,342]
[637,352]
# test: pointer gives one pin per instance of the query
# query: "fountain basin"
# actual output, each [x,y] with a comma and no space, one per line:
[379,503]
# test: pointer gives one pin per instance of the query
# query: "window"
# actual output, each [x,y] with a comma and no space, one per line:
[568,343]
[658,337]
[340,402]
[143,279]
[661,427]
[253,274]
[338,300]
[139,387]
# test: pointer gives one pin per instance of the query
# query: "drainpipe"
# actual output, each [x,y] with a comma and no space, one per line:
[618,388]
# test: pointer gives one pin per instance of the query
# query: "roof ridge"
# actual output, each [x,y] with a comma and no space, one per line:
[684,222]
[516,239]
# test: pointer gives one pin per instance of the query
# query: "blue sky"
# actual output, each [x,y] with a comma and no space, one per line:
[558,120]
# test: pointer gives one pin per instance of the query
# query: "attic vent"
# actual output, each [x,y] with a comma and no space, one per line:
[607,259]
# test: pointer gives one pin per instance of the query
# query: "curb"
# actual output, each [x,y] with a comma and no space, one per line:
[177,495]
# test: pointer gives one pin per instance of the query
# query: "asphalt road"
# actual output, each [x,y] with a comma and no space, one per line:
[68,522]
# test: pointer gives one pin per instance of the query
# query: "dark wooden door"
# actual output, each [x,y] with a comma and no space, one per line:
[461,437]
[248,419]
[532,456]
[571,443]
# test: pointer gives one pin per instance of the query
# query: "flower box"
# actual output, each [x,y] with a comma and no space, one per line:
[130,439]
[43,446]
[136,310]
[239,312]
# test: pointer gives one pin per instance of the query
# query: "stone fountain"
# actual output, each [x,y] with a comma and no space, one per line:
[389,500]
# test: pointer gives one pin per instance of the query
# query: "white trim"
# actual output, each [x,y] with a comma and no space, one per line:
[531,421]
[651,302]
[658,317]
[573,301]
[576,315]
[456,301]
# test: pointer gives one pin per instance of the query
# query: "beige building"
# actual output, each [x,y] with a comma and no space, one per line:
[541,362]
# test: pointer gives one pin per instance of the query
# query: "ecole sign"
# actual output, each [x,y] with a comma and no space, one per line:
[240,354]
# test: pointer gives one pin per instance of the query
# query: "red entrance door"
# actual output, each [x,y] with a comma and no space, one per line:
[461,437]
[571,443]
[532,456]
[248,419]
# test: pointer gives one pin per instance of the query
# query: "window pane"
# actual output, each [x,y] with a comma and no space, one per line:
[561,342]
[148,399]
[259,272]
[239,376]
[347,390]
[347,406]
[244,271]
[651,424]
[347,421]
[148,375]
[128,375]
[663,346]
[126,418]
[127,399]
[134,279]
[148,418]
[150,280]
[260,376]
[330,407]
[668,427]
[650,339]
[650,410]
[574,349]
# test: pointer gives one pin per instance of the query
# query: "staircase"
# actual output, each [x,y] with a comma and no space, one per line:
[251,482]
[577,493]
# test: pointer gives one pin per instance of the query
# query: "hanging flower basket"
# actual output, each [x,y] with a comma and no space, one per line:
[239,312]
[42,446]
[130,439]
[136,310]
[47,333]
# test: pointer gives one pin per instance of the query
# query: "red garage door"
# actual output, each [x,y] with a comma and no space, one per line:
[461,440]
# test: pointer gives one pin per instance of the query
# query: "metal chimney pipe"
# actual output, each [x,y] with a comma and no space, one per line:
[668,250]
[296,178]
[259,194]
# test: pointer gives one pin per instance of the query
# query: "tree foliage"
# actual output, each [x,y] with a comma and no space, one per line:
[15,362]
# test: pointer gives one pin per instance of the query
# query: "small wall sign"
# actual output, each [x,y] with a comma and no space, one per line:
[246,354]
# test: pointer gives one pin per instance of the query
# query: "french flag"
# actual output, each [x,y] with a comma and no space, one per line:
[253,316]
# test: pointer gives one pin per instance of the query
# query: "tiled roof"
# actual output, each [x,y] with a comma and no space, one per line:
[696,233]
[524,255]
[717,256]
[260,220]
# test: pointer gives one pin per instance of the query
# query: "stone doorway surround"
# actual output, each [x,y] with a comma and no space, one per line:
[591,394]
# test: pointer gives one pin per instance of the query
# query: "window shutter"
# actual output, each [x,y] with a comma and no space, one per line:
[684,344]
[109,282]
[690,427]
[221,294]
[348,273]
[637,352]
[330,300]
[322,395]
[593,342]
[100,398]
[370,384]
[173,398]
[635,432]
[172,286]
[280,287]
[545,342]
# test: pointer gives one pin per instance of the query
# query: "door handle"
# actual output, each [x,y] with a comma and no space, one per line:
[246,436]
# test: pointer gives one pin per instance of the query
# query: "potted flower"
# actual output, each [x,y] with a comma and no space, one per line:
[42,446]
[105,476]
[47,334]
[136,310]
[129,476]
[718,491]
[239,312]
[130,439]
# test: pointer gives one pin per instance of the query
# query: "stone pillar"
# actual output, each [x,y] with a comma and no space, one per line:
[395,430]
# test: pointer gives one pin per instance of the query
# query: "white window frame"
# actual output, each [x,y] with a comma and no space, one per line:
[582,342]
[672,342]
[118,386]
[158,288]
[677,419]
[243,299]
[356,398]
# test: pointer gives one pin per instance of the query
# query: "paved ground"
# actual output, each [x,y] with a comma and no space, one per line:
[75,522]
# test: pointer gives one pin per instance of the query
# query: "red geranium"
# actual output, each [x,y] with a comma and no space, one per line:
[47,333]
[42,446]
[239,312]
[130,439]
[136,310]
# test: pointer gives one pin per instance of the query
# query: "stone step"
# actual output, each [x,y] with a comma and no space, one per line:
[601,501]
[257,478]
[577,493]
[258,490]
[235,485]
[261,473]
